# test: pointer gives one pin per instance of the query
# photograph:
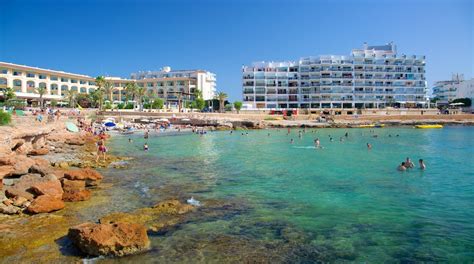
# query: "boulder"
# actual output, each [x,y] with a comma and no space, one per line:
[52,188]
[41,166]
[45,204]
[5,170]
[19,201]
[75,141]
[23,186]
[173,207]
[90,176]
[118,239]
[9,209]
[38,152]
[21,165]
[70,185]
[76,195]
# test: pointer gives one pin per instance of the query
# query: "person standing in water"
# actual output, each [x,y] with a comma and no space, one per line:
[422,164]
[409,164]
[145,147]
[291,141]
[402,167]
[369,146]
[317,143]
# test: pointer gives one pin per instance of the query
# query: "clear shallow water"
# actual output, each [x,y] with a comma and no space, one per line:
[298,204]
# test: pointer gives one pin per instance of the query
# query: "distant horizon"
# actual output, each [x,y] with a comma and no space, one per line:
[220,37]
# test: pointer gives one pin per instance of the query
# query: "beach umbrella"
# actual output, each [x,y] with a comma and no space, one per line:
[109,124]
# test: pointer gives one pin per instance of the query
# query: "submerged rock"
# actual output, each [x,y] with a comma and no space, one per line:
[45,204]
[23,186]
[76,195]
[118,239]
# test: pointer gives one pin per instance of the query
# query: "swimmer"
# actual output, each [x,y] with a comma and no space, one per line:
[346,135]
[389,135]
[369,146]
[330,139]
[129,140]
[422,164]
[317,143]
[299,134]
[341,139]
[145,147]
[402,167]
[291,141]
[268,134]
[409,164]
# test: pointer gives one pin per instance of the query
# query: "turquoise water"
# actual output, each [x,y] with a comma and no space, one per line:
[294,203]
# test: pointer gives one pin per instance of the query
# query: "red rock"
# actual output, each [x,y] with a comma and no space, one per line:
[76,196]
[23,186]
[69,185]
[45,204]
[52,188]
[37,152]
[6,170]
[8,159]
[19,201]
[117,239]
[41,166]
[75,141]
[22,165]
[91,176]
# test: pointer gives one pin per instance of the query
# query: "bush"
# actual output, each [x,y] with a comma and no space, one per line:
[129,106]
[466,101]
[108,105]
[5,118]
[157,103]
[228,107]
[120,105]
[238,106]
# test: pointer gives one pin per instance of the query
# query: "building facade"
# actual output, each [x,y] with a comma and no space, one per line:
[172,86]
[457,87]
[371,77]
[25,79]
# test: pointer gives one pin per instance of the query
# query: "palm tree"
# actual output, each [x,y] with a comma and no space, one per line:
[221,96]
[141,91]
[9,94]
[71,97]
[41,91]
[100,83]
[150,94]
[108,90]
[131,90]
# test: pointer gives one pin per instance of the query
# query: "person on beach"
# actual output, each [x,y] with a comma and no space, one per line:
[422,164]
[101,150]
[402,167]
[409,164]
[369,146]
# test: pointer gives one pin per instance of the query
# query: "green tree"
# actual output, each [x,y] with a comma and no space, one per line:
[141,91]
[108,90]
[54,103]
[158,103]
[466,101]
[228,107]
[41,91]
[221,96]
[100,84]
[5,118]
[238,106]
[71,98]
[9,94]
[130,91]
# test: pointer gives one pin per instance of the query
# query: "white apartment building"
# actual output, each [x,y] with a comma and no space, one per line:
[457,87]
[173,86]
[371,77]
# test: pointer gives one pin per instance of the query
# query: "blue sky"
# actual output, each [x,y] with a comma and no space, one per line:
[119,37]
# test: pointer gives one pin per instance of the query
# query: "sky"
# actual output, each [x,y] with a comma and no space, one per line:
[116,38]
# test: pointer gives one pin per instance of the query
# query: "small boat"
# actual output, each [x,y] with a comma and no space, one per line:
[379,125]
[429,126]
[366,126]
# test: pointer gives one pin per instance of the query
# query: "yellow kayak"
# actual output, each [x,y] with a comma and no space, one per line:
[429,126]
[372,125]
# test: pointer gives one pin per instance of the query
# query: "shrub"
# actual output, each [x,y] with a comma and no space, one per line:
[228,107]
[129,106]
[108,105]
[120,105]
[157,103]
[238,106]
[5,118]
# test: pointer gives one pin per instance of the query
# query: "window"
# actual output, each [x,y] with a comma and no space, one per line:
[30,75]
[169,83]
[91,83]
[3,71]
[16,73]
[82,82]
[42,76]
[53,78]
[64,79]
[16,83]
[73,81]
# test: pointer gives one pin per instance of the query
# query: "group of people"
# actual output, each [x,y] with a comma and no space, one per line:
[408,164]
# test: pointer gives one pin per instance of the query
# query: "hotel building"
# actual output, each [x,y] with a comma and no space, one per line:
[172,86]
[457,87]
[371,77]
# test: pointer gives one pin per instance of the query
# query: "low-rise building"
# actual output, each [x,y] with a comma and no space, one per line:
[457,87]
[172,86]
